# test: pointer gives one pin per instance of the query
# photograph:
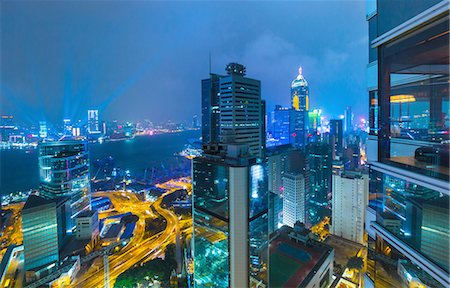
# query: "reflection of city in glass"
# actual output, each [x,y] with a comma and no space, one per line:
[230,198]
[64,171]
[415,214]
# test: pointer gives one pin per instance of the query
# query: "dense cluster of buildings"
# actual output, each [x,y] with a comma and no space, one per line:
[386,192]
[262,188]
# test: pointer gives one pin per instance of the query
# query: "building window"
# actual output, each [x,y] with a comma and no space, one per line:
[414,100]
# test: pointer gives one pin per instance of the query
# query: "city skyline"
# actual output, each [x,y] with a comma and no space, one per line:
[225,144]
[126,74]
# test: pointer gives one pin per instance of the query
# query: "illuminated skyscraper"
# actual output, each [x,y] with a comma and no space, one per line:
[280,124]
[348,120]
[93,127]
[408,144]
[299,113]
[229,218]
[230,199]
[336,138]
[44,229]
[242,112]
[64,171]
[67,127]
[320,167]
[43,129]
[300,92]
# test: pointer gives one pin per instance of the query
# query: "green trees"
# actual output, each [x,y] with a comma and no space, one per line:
[156,269]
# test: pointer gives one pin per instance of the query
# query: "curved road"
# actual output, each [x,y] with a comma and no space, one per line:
[138,248]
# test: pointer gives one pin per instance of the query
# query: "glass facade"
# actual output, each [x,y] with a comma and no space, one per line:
[413,115]
[417,215]
[320,167]
[64,171]
[211,221]
[40,235]
[280,124]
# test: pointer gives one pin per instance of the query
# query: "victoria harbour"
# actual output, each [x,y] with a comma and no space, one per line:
[134,155]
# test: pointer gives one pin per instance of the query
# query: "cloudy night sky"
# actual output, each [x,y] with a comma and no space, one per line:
[145,59]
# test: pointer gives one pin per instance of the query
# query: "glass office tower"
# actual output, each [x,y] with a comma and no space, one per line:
[210,109]
[320,165]
[229,218]
[299,112]
[64,171]
[408,145]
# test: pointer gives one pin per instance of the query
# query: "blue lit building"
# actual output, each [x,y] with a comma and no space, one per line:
[64,171]
[320,171]
[407,148]
[44,229]
[230,218]
[280,124]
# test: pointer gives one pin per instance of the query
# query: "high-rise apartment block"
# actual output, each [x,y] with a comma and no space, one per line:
[349,199]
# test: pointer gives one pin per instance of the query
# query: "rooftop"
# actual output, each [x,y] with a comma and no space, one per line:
[292,263]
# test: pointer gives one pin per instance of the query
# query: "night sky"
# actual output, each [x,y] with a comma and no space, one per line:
[145,60]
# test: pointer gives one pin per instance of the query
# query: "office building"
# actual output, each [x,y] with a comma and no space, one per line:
[230,221]
[43,130]
[299,111]
[93,124]
[242,112]
[64,171]
[336,138]
[280,124]
[44,223]
[349,199]
[296,260]
[407,148]
[320,171]
[210,109]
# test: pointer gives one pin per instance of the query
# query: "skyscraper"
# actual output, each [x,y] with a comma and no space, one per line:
[336,138]
[277,160]
[93,127]
[320,168]
[67,127]
[210,109]
[280,124]
[294,198]
[350,196]
[241,110]
[230,199]
[348,120]
[299,112]
[44,226]
[43,129]
[408,141]
[229,218]
[64,171]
